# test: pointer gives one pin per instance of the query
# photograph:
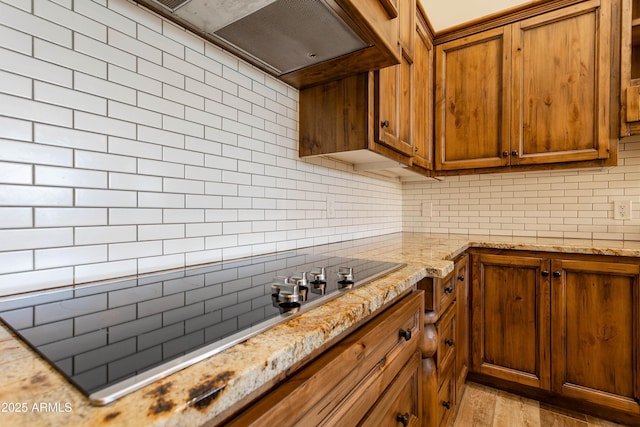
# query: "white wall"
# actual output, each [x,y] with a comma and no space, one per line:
[128,145]
[562,204]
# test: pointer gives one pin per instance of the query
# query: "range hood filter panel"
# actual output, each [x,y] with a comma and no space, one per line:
[284,35]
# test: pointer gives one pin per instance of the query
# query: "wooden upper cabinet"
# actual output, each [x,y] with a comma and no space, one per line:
[472,97]
[561,85]
[395,90]
[371,112]
[536,91]
[423,55]
[630,70]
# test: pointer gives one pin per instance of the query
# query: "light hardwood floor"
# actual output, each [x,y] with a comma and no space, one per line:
[487,407]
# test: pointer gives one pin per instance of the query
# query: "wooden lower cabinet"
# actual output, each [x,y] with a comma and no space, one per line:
[445,347]
[559,327]
[372,377]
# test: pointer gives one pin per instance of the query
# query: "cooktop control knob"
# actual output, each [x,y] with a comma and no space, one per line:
[345,274]
[318,275]
[282,290]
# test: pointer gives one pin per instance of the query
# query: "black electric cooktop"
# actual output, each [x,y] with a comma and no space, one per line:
[113,338]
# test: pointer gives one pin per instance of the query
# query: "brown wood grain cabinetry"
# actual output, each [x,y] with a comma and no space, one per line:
[371,112]
[423,55]
[372,377]
[533,92]
[445,348]
[630,71]
[561,326]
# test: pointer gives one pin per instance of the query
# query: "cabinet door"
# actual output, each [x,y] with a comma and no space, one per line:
[596,332]
[395,95]
[472,121]
[423,98]
[510,318]
[561,85]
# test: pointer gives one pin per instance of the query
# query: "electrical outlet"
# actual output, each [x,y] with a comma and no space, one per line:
[622,209]
[427,208]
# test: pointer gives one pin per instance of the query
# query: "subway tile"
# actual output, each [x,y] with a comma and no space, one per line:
[179,246]
[32,110]
[141,116]
[121,181]
[130,147]
[151,264]
[68,177]
[134,216]
[16,217]
[104,162]
[68,257]
[16,40]
[27,66]
[73,21]
[184,186]
[15,173]
[58,95]
[69,217]
[70,138]
[12,262]
[184,127]
[179,65]
[160,232]
[105,125]
[16,283]
[160,200]
[157,72]
[133,80]
[104,88]
[20,195]
[203,90]
[204,229]
[103,52]
[160,41]
[131,250]
[105,198]
[205,202]
[160,168]
[106,270]
[134,47]
[26,239]
[41,28]
[184,216]
[13,84]
[184,37]
[160,105]
[202,173]
[105,234]
[202,117]
[161,137]
[111,18]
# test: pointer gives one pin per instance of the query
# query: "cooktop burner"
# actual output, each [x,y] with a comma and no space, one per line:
[113,338]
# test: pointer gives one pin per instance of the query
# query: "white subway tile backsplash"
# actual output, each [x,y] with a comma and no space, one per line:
[120,251]
[17,283]
[15,173]
[16,217]
[36,111]
[65,17]
[106,234]
[160,168]
[64,257]
[104,52]
[27,66]
[16,40]
[118,16]
[64,97]
[121,181]
[105,270]
[26,239]
[38,27]
[161,200]
[69,177]
[157,72]
[105,125]
[133,216]
[69,217]
[151,264]
[23,195]
[105,198]
[160,232]
[12,262]
[103,88]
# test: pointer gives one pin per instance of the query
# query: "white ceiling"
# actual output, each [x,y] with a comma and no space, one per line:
[449,13]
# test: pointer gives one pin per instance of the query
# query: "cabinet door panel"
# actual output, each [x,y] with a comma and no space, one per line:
[510,338]
[596,332]
[472,101]
[423,98]
[561,96]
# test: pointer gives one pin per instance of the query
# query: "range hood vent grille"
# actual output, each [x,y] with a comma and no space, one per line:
[284,35]
[171,4]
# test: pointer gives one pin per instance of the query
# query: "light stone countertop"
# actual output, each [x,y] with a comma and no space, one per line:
[32,393]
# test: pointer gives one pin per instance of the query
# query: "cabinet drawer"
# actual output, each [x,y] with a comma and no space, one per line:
[342,384]
[447,291]
[446,327]
[446,396]
[401,402]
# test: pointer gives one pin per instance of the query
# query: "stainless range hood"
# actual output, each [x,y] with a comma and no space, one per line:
[281,37]
[281,34]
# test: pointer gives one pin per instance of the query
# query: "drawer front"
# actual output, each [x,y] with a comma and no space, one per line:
[446,396]
[401,403]
[446,289]
[447,336]
[344,382]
